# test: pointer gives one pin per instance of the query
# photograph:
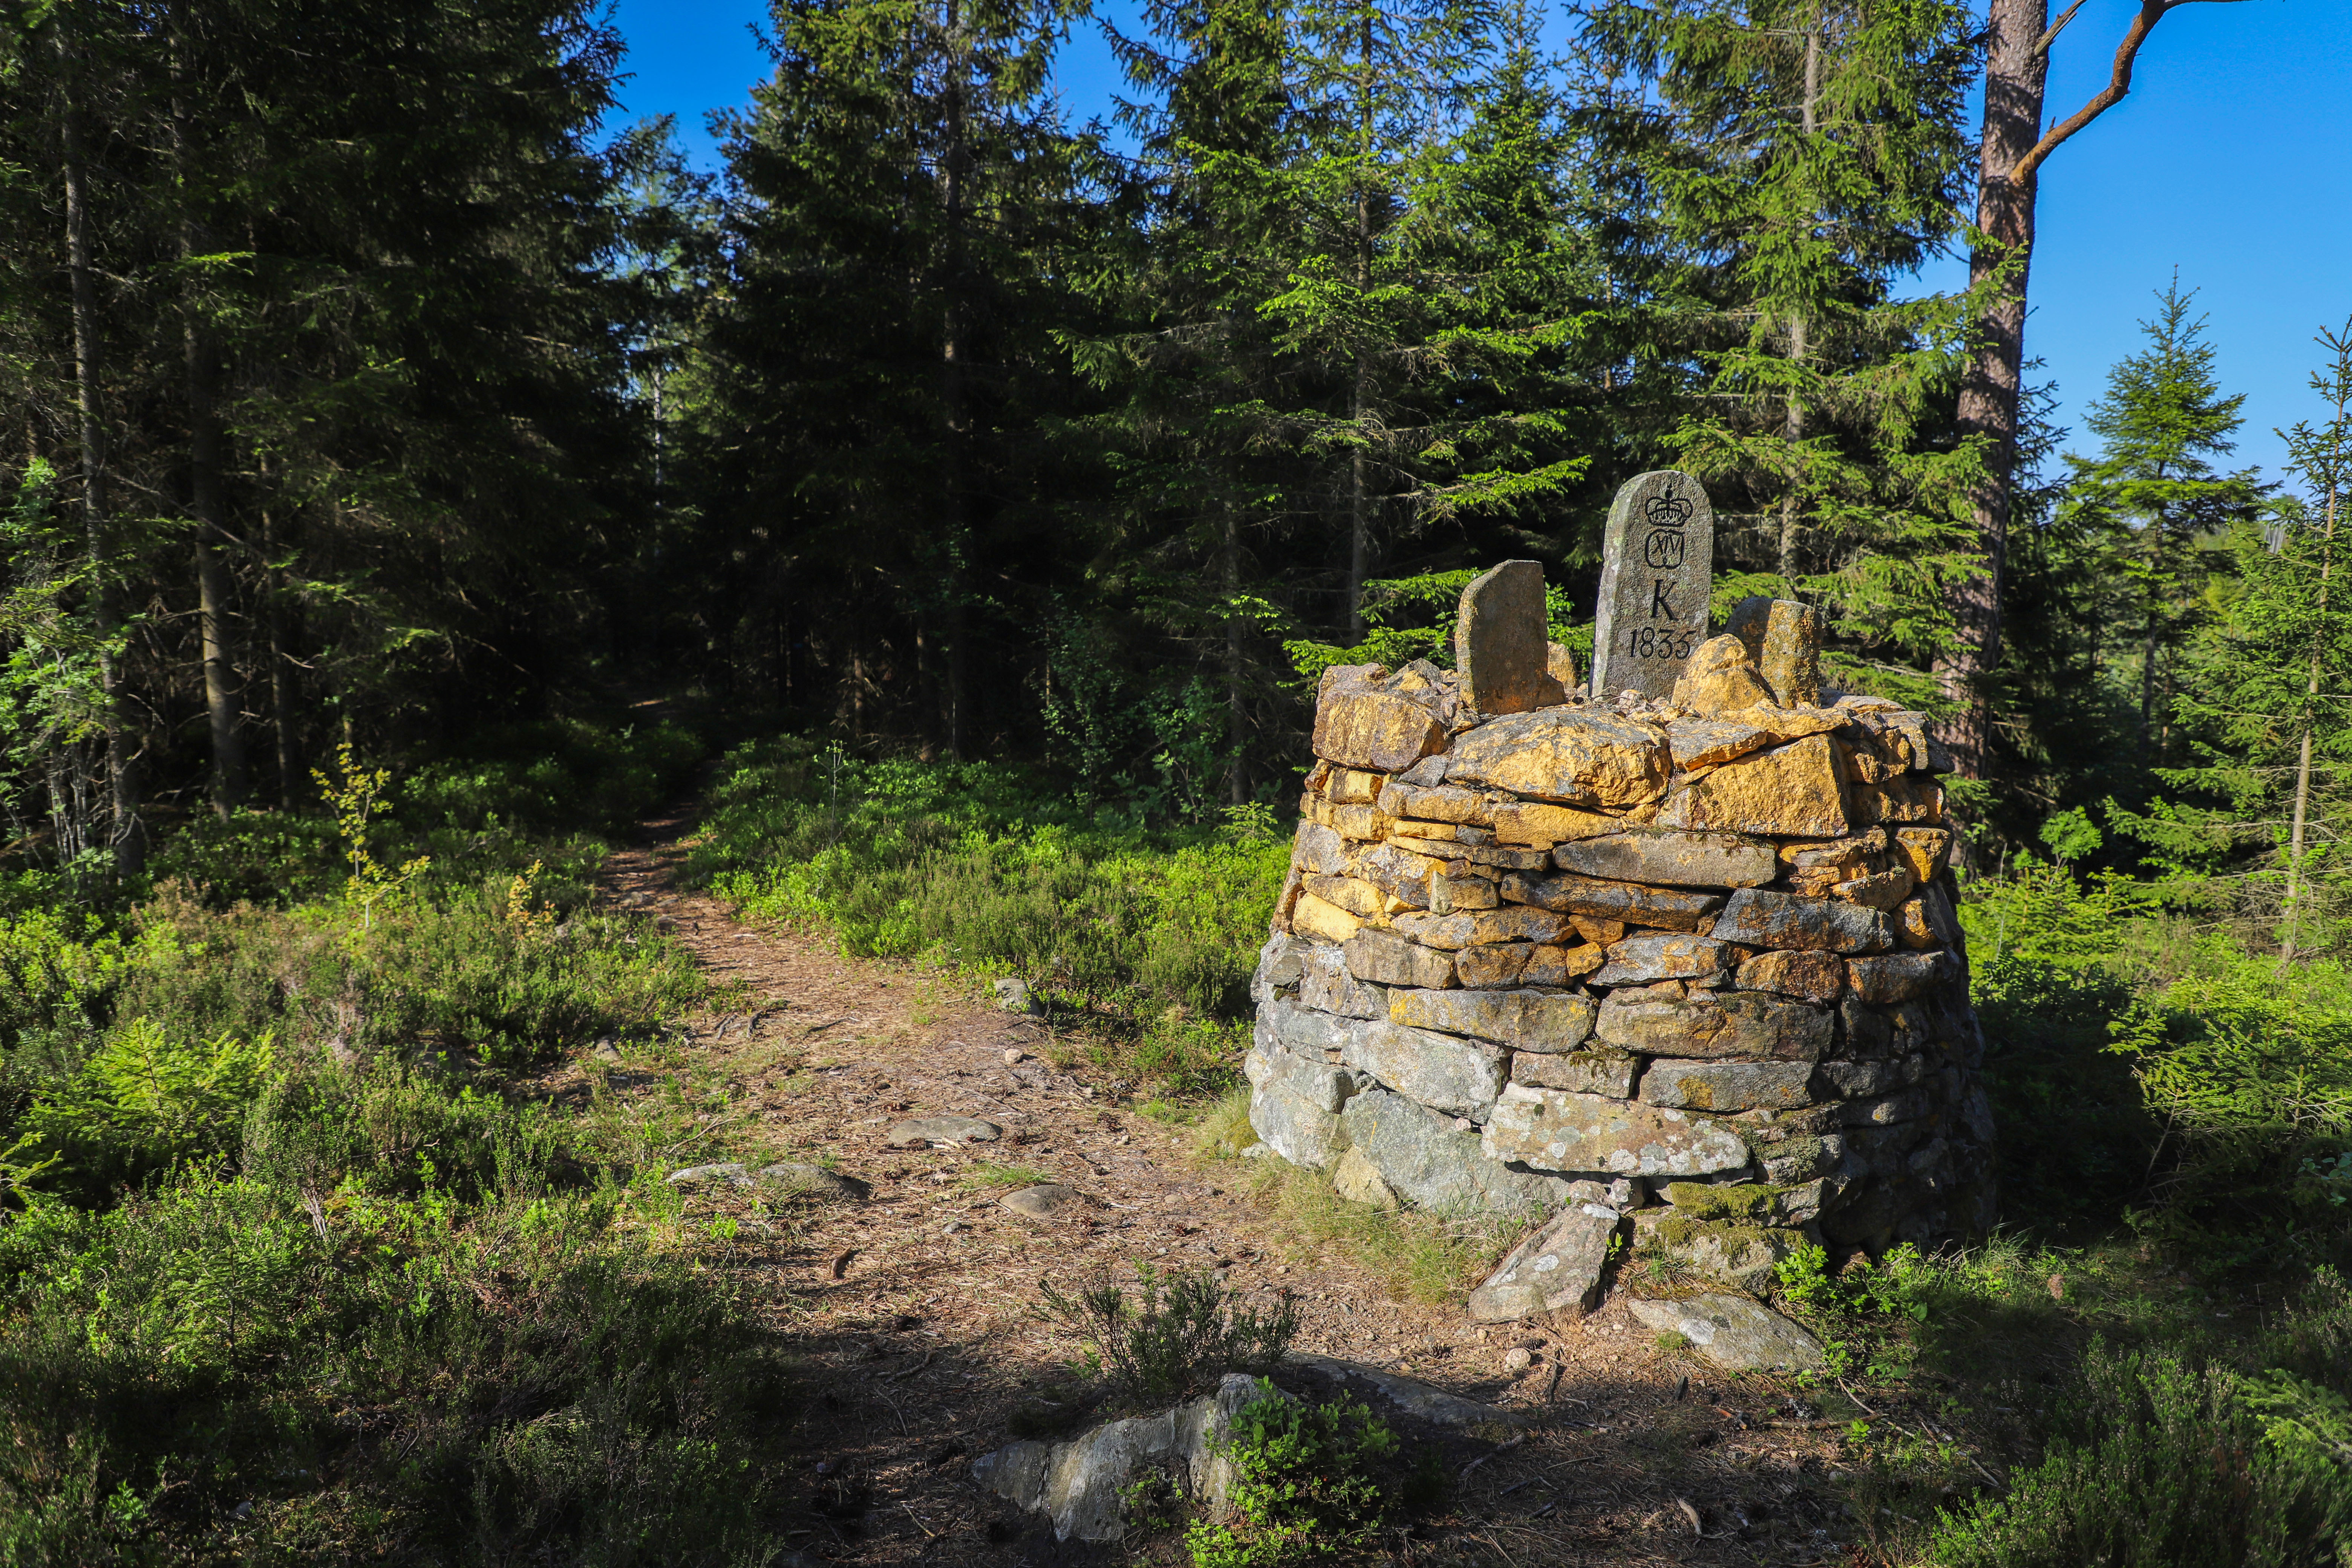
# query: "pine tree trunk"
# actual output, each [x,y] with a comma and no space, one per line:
[213,585]
[128,834]
[954,410]
[2015,70]
[1359,527]
[1792,428]
[2310,714]
[1236,781]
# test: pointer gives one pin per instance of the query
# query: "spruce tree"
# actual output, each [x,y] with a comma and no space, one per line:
[2153,500]
[1799,158]
[2259,827]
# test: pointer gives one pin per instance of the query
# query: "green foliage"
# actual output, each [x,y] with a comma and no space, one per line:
[144,1101]
[2160,1462]
[1176,1338]
[1305,1483]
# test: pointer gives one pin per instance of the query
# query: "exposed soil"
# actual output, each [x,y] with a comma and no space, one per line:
[913,1315]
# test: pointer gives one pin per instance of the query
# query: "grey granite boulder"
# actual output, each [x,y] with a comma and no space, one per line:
[1442,1071]
[1675,857]
[1727,1085]
[1524,1020]
[1077,1484]
[1758,917]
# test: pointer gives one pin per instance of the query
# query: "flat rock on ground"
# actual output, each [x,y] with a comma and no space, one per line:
[928,1130]
[1734,1332]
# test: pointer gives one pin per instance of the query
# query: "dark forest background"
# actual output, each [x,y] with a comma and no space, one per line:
[361,387]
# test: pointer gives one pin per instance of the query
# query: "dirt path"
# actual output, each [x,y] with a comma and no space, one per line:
[913,1315]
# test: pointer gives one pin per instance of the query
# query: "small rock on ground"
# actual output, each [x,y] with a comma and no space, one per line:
[927,1129]
[797,1177]
[1043,1202]
[1733,1332]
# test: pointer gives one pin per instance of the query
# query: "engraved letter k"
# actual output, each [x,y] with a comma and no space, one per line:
[1658,604]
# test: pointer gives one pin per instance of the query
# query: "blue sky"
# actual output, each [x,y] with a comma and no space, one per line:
[2231,160]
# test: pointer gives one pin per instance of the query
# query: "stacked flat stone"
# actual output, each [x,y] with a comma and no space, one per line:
[1686,968]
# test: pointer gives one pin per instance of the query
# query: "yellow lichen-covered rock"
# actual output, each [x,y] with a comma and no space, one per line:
[1912,798]
[1533,823]
[1357,821]
[1560,664]
[1322,920]
[1880,891]
[1720,679]
[1359,899]
[1441,803]
[1353,786]
[1554,964]
[1358,1180]
[1791,790]
[1361,722]
[1500,964]
[1784,637]
[1925,850]
[1577,756]
[1710,743]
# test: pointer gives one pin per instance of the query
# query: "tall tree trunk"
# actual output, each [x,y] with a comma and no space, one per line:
[2151,638]
[1230,572]
[2018,35]
[285,701]
[1792,427]
[1360,524]
[204,440]
[954,395]
[2311,693]
[128,834]
[2017,63]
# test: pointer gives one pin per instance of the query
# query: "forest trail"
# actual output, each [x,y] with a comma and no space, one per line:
[913,1315]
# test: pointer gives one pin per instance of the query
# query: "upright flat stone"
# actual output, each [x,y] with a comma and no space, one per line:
[1673,856]
[1785,638]
[1500,644]
[1553,1131]
[1359,723]
[1325,986]
[1556,1269]
[1657,562]
[1581,756]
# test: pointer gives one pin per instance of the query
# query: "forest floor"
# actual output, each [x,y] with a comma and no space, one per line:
[913,1316]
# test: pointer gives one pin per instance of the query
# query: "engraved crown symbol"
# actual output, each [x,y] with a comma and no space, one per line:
[1668,510]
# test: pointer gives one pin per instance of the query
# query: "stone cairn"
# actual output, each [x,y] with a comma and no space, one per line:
[1676,959]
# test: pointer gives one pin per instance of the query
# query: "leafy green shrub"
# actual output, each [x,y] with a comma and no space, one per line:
[1304,1483]
[1176,1339]
[271,858]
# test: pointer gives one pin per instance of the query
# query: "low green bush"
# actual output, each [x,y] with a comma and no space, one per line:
[1309,1482]
[1178,1336]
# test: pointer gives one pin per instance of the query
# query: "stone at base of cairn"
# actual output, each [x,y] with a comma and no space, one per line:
[1705,953]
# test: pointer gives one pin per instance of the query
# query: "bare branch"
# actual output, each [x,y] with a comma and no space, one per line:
[2049,35]
[2151,12]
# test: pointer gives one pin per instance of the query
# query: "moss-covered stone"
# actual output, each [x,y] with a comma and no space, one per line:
[1708,1200]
